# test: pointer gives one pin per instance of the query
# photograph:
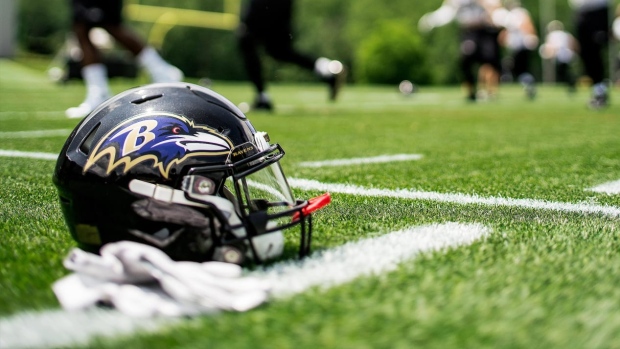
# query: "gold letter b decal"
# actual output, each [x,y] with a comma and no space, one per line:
[139,135]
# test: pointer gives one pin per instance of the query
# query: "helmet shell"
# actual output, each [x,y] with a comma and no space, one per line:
[155,133]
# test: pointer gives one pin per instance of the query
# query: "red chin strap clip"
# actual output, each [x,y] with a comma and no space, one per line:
[314,204]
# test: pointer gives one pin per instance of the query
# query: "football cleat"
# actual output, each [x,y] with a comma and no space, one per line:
[91,102]
[263,104]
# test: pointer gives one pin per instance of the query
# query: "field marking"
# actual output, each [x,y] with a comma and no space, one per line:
[359,161]
[307,184]
[323,269]
[28,154]
[607,188]
[8,115]
[59,328]
[36,133]
[585,208]
[337,266]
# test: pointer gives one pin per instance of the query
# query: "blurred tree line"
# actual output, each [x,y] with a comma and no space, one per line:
[378,40]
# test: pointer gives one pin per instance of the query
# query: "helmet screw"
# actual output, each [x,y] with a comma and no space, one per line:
[205,186]
[232,255]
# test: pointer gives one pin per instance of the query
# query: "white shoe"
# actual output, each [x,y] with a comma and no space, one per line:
[84,108]
[167,74]
[80,111]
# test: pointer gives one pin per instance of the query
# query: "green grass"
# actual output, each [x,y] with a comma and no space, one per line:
[542,279]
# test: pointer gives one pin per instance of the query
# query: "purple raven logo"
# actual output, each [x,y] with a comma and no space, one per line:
[165,139]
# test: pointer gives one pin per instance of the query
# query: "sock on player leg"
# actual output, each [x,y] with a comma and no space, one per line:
[97,91]
[158,69]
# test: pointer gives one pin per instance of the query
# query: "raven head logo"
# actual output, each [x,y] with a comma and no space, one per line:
[165,139]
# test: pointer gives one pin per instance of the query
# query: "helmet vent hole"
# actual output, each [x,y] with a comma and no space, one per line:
[87,145]
[146,98]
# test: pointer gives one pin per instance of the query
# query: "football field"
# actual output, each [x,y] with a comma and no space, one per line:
[452,224]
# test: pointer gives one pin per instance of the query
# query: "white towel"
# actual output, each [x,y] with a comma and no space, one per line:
[140,280]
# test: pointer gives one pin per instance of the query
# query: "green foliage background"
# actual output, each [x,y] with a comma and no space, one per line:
[390,54]
[342,29]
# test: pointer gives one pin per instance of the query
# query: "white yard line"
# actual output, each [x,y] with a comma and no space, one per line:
[28,154]
[323,269]
[35,133]
[329,268]
[456,198]
[359,161]
[22,115]
[463,199]
[59,328]
[607,188]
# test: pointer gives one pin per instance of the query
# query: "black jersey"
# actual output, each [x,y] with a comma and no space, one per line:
[268,16]
[97,12]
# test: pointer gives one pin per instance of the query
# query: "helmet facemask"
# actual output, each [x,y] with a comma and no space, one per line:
[262,200]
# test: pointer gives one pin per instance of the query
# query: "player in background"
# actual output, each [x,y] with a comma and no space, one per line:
[521,40]
[561,46]
[268,23]
[107,14]
[592,33]
[479,46]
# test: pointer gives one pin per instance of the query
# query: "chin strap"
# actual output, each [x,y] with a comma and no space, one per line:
[142,281]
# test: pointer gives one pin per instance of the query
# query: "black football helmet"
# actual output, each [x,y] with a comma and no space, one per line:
[179,167]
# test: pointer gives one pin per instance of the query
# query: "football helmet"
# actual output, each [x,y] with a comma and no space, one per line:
[179,167]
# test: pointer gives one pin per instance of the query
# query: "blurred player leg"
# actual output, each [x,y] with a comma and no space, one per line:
[158,69]
[467,61]
[94,74]
[269,24]
[333,72]
[490,58]
[592,26]
[248,45]
[330,71]
[107,14]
